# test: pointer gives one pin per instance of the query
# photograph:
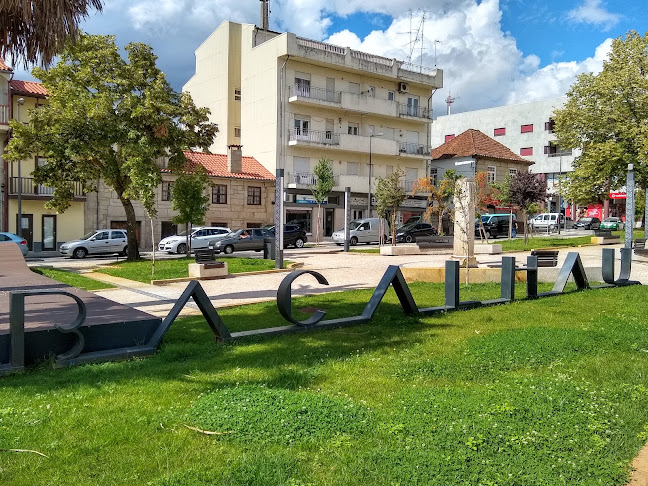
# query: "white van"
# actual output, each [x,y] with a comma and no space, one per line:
[365,230]
[549,222]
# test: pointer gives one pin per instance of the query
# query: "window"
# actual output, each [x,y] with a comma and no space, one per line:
[492,173]
[328,134]
[302,84]
[434,174]
[513,172]
[526,151]
[237,94]
[498,132]
[167,190]
[413,106]
[254,196]
[237,132]
[219,194]
[302,126]
[390,96]
[549,126]
[220,224]
[371,91]
[115,235]
[449,137]
[526,128]
[352,168]
[354,128]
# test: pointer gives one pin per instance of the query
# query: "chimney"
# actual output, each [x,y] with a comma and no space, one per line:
[234,159]
[264,14]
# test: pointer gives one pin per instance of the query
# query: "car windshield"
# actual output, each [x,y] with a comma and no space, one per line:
[611,220]
[87,236]
[407,226]
[585,220]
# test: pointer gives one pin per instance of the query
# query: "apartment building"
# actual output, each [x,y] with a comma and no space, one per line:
[526,129]
[290,101]
[23,201]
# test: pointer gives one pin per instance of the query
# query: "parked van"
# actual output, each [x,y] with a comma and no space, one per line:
[494,225]
[365,230]
[549,222]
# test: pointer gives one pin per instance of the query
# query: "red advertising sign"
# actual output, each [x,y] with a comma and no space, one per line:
[617,195]
[595,211]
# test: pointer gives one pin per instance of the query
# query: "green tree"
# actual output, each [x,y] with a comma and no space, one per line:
[605,116]
[390,195]
[36,30]
[525,191]
[324,183]
[440,196]
[189,199]
[111,119]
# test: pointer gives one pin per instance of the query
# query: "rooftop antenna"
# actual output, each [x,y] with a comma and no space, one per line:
[265,9]
[436,41]
[449,101]
[417,38]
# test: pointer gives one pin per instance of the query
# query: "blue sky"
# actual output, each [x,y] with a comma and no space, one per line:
[493,52]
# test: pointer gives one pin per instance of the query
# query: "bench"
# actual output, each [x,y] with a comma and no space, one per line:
[639,246]
[602,233]
[546,258]
[207,257]
[435,241]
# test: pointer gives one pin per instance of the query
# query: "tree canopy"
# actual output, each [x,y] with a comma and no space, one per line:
[189,199]
[440,196]
[324,183]
[524,191]
[112,119]
[37,30]
[606,116]
[390,195]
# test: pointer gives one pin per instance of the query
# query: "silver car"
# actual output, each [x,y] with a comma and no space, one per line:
[96,243]
[200,238]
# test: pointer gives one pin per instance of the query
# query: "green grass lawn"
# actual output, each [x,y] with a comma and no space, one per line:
[141,271]
[73,279]
[546,392]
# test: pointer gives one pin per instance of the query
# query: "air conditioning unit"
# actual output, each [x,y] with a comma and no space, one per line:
[403,88]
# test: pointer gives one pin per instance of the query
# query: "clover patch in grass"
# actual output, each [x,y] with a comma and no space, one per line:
[255,413]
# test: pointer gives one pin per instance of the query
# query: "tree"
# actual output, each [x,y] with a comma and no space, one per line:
[439,196]
[36,30]
[390,195]
[324,182]
[112,119]
[525,190]
[485,195]
[189,198]
[605,116]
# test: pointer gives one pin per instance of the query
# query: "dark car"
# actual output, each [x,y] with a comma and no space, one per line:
[410,231]
[294,235]
[494,225]
[588,223]
[242,240]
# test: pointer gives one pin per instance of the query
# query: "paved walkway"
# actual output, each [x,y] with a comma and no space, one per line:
[344,271]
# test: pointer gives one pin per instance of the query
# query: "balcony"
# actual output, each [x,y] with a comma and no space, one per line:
[300,136]
[368,104]
[409,111]
[4,115]
[415,150]
[312,95]
[304,179]
[30,190]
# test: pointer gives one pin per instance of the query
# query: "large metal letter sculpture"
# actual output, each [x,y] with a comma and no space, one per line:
[608,268]
[572,266]
[17,326]
[284,298]
[204,304]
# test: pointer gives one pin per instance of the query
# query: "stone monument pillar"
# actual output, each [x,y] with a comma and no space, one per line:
[464,223]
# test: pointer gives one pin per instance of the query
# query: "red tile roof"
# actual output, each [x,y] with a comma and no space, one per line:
[473,143]
[28,88]
[216,165]
[4,66]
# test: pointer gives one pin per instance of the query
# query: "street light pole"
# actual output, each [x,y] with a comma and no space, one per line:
[560,195]
[370,167]
[20,102]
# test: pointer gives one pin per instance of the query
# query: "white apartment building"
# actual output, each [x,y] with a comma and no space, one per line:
[290,101]
[526,129]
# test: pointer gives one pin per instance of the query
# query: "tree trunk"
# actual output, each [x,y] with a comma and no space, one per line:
[131,227]
[393,227]
[526,227]
[646,215]
[319,224]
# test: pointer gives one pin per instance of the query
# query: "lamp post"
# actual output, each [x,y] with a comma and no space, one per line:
[20,102]
[560,195]
[370,167]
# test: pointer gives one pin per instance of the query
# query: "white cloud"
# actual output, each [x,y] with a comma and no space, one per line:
[592,12]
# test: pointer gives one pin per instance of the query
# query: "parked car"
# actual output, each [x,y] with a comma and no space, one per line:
[95,243]
[588,223]
[612,223]
[410,231]
[494,225]
[549,222]
[241,240]
[365,230]
[200,238]
[21,242]
[294,235]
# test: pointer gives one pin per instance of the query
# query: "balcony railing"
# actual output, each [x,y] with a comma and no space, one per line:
[415,111]
[313,93]
[413,149]
[29,188]
[311,136]
[305,178]
[4,114]
[407,185]
[565,153]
